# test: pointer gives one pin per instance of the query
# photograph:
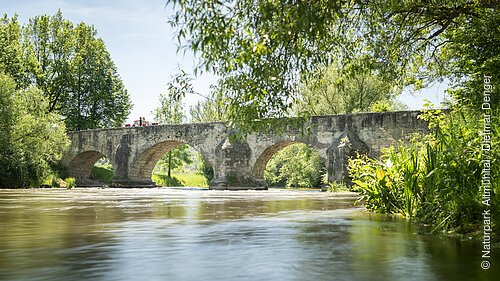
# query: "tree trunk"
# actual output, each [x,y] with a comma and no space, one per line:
[169,163]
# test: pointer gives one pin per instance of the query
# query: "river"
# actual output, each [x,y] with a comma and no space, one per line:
[176,234]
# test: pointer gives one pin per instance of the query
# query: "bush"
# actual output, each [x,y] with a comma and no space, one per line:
[296,165]
[103,171]
[434,179]
[205,168]
[70,182]
[58,182]
[32,138]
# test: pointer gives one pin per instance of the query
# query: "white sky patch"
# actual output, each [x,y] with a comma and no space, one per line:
[434,93]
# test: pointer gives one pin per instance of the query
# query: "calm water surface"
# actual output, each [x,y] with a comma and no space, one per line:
[164,234]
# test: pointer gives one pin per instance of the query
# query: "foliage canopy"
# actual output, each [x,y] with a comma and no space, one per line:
[296,165]
[264,49]
[71,66]
[435,179]
[332,92]
[32,138]
[171,111]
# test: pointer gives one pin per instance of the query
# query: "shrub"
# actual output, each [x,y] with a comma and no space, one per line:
[32,138]
[204,168]
[296,165]
[102,174]
[434,179]
[70,182]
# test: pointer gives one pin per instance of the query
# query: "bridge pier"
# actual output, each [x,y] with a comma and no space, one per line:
[232,167]
[240,164]
[347,145]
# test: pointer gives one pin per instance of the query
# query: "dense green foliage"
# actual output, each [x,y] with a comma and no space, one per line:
[263,50]
[204,168]
[296,165]
[434,179]
[70,182]
[71,66]
[32,138]
[472,51]
[171,111]
[213,109]
[63,78]
[102,171]
[11,51]
[181,179]
[334,92]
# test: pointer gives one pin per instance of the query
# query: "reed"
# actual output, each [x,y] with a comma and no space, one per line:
[433,179]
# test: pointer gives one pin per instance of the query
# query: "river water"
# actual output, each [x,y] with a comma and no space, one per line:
[174,234]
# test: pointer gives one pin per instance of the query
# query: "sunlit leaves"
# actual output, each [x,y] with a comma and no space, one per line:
[171,109]
[32,138]
[295,166]
[263,50]
[260,49]
[171,112]
[212,109]
[11,60]
[435,178]
[72,67]
[333,91]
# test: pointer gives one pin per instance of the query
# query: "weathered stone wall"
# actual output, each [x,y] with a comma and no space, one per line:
[135,151]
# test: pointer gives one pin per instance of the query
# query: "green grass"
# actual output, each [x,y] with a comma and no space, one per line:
[181,179]
[102,174]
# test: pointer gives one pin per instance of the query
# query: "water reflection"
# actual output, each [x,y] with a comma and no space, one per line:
[160,234]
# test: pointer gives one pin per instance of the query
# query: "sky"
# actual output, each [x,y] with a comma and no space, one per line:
[144,49]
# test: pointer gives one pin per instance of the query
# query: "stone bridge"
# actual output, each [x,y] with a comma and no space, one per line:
[134,151]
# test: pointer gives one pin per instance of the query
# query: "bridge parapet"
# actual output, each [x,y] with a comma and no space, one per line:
[134,151]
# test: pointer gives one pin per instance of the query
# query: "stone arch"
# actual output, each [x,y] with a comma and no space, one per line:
[142,167]
[81,165]
[269,152]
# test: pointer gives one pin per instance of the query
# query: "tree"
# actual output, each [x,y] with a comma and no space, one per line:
[171,111]
[205,111]
[174,159]
[472,53]
[72,67]
[333,92]
[296,165]
[11,53]
[264,50]
[32,139]
[7,121]
[96,97]
[212,109]
[48,45]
